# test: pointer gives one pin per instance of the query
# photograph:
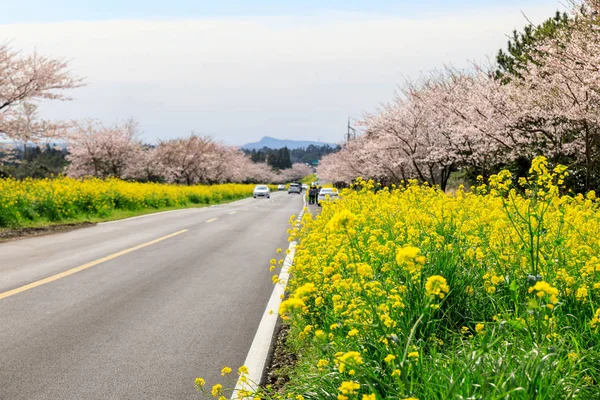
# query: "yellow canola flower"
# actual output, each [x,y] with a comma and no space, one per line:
[290,305]
[304,290]
[351,358]
[404,254]
[216,390]
[543,289]
[361,277]
[349,387]
[436,285]
[321,364]
[226,370]
[63,198]
[353,332]
[479,328]
[595,322]
[340,221]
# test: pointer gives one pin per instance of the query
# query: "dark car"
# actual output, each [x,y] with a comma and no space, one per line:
[295,188]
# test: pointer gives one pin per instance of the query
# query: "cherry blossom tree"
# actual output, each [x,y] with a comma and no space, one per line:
[559,93]
[146,166]
[471,119]
[260,173]
[25,79]
[357,158]
[101,151]
[297,172]
[187,160]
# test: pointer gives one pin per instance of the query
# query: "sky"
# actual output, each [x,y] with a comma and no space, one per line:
[239,70]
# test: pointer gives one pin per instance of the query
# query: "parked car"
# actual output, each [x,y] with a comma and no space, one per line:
[280,187]
[326,194]
[262,191]
[304,186]
[295,188]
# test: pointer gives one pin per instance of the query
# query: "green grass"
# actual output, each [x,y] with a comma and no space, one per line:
[114,215]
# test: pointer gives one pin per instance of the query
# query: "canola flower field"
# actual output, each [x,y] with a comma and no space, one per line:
[64,199]
[416,294]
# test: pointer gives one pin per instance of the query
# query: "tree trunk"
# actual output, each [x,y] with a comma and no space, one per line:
[588,157]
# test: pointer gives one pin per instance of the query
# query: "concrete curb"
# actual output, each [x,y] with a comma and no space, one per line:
[256,360]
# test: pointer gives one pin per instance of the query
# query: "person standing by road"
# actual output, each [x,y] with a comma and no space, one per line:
[312,195]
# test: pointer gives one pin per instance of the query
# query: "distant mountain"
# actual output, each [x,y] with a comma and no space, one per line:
[274,143]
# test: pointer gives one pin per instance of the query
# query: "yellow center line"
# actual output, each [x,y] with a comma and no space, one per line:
[84,266]
[212,220]
[233,212]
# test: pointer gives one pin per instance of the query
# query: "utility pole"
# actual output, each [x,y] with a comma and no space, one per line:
[351,133]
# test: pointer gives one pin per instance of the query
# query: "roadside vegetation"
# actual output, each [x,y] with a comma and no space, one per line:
[46,201]
[309,179]
[413,293]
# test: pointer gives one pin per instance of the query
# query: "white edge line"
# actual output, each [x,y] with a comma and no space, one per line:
[258,354]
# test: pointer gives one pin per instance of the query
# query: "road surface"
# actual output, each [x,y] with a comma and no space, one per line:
[137,309]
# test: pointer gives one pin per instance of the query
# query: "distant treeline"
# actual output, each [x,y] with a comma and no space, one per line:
[284,158]
[43,161]
[32,161]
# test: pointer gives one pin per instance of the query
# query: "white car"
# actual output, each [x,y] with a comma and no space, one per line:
[304,186]
[326,193]
[280,187]
[262,191]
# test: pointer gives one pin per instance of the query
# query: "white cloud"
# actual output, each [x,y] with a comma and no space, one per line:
[240,78]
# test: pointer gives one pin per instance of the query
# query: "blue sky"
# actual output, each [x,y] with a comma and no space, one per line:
[239,70]
[93,10]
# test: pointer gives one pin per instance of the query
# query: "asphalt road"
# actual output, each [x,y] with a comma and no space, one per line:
[141,324]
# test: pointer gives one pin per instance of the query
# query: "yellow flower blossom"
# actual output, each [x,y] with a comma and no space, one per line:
[349,387]
[216,390]
[437,286]
[243,370]
[479,328]
[543,289]
[352,358]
